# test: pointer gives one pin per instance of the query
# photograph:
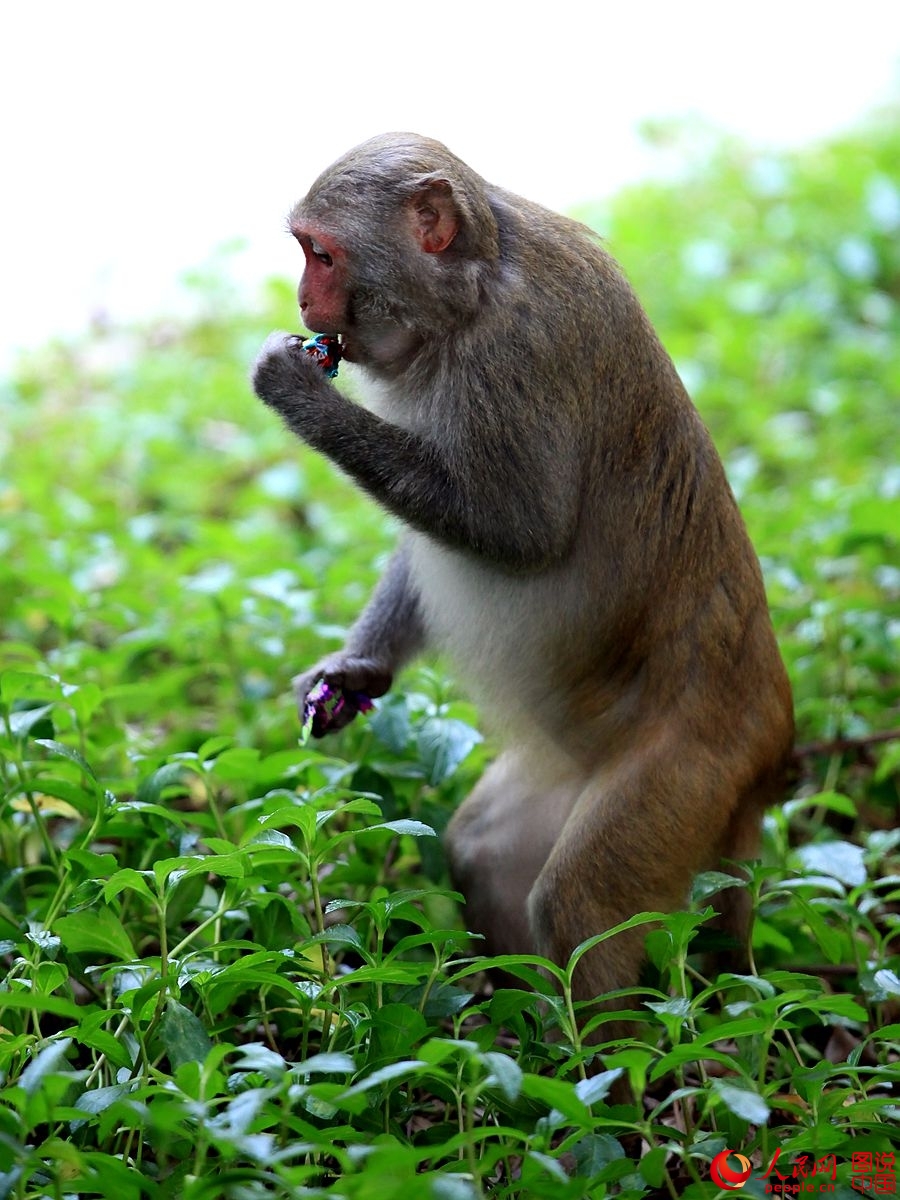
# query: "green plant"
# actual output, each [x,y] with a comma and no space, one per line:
[232,964]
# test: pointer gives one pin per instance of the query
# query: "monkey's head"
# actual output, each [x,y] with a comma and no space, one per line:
[398,237]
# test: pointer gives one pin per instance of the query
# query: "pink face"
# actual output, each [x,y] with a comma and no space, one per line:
[322,293]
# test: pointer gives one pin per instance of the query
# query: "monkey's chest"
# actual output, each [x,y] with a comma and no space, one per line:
[493,625]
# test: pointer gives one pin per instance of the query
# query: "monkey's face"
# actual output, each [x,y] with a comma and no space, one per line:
[323,291]
[376,272]
[340,299]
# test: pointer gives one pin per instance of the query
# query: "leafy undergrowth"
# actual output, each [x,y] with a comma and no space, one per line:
[232,964]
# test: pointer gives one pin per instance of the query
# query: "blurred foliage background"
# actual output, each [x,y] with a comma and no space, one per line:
[169,557]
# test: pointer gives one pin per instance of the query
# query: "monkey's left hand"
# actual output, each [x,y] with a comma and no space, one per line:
[326,708]
[330,694]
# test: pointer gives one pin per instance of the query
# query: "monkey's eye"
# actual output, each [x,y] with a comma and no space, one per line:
[320,253]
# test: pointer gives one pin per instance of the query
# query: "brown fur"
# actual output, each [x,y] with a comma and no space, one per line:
[572,543]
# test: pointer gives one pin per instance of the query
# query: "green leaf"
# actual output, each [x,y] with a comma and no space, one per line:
[527,967]
[408,1069]
[23,721]
[63,751]
[653,1166]
[557,1094]
[404,826]
[212,747]
[272,838]
[129,879]
[838,1004]
[597,1087]
[452,1187]
[300,816]
[49,1061]
[831,941]
[885,985]
[362,804]
[831,801]
[505,1073]
[183,1035]
[99,931]
[48,943]
[842,860]
[84,700]
[340,935]
[742,1101]
[693,1052]
[26,686]
[443,742]
[709,883]
[639,919]
[227,866]
[91,1032]
[439,1049]
[151,788]
[443,1002]
[677,1006]
[85,864]
[391,724]
[82,799]
[553,1168]
[325,1064]
[236,764]
[97,1100]
[596,1151]
[37,1003]
[395,1029]
[254,1056]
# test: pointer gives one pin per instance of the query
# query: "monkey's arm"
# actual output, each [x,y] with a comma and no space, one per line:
[388,633]
[484,500]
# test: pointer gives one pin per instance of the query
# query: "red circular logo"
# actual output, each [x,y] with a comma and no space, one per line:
[726,1177]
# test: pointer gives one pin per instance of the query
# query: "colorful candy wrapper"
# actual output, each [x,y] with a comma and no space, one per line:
[323,706]
[326,351]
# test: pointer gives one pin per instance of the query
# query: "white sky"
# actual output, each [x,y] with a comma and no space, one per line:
[138,137]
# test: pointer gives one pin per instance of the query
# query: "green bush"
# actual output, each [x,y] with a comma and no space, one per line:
[232,964]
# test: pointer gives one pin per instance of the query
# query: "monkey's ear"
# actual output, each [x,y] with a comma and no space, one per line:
[435,217]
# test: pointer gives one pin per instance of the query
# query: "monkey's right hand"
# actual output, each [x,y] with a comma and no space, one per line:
[331,694]
[288,377]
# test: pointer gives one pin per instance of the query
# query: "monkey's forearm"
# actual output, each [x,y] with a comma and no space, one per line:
[389,632]
[475,510]
[409,477]
[390,627]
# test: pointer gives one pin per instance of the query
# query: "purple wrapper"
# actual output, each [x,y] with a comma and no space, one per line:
[325,704]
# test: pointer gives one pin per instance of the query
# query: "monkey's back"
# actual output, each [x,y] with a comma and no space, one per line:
[661,592]
[657,590]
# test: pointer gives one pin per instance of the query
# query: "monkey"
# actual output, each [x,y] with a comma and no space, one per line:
[570,541]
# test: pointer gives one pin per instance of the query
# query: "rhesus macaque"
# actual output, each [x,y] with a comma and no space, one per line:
[571,542]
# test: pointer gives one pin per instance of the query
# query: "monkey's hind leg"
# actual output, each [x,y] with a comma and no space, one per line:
[636,837]
[734,905]
[498,842]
